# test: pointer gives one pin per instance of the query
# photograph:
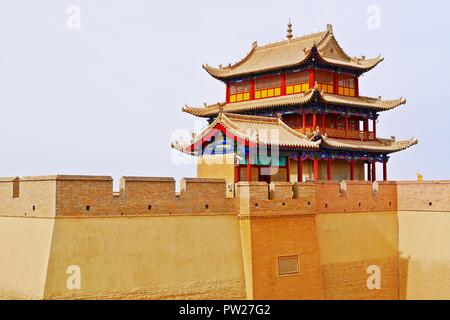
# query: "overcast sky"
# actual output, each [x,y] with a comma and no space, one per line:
[105,98]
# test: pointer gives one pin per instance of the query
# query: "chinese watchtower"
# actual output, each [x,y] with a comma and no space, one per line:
[298,100]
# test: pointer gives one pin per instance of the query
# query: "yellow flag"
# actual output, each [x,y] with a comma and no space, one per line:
[419,177]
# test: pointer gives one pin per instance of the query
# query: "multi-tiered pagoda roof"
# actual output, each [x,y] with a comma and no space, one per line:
[307,88]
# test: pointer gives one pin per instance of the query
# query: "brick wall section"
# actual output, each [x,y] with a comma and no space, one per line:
[143,196]
[84,195]
[281,190]
[36,197]
[385,196]
[355,196]
[94,196]
[423,196]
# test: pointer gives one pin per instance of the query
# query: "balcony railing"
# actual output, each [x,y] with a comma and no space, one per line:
[351,134]
[340,133]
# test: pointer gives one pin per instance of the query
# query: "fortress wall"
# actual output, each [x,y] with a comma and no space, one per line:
[148,257]
[28,196]
[273,228]
[349,243]
[77,195]
[357,228]
[25,245]
[355,196]
[424,224]
[336,229]
[93,196]
[143,196]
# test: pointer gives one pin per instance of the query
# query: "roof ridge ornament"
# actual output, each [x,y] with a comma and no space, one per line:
[330,28]
[289,30]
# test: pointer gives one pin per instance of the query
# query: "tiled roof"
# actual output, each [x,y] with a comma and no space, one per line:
[256,130]
[379,145]
[291,53]
[295,99]
[273,131]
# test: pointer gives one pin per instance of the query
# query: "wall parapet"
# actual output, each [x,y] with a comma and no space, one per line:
[424,195]
[64,195]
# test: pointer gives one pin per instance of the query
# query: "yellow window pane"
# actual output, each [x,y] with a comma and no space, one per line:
[330,89]
[277,91]
[270,92]
[239,97]
[246,96]
[297,88]
[305,87]
[346,92]
[290,90]
[257,94]
[233,98]
[263,93]
[341,90]
[352,92]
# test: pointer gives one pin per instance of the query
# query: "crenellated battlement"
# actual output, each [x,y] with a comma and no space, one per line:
[61,195]
[50,196]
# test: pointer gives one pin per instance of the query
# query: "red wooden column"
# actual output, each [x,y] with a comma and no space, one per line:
[352,170]
[288,170]
[369,173]
[385,176]
[346,125]
[374,128]
[366,129]
[249,165]
[335,83]
[299,169]
[374,171]
[252,89]
[283,84]
[314,122]
[312,78]
[316,169]
[329,170]
[323,122]
[304,122]
[227,98]
[356,86]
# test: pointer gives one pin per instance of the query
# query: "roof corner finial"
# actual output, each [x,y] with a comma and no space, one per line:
[220,109]
[289,30]
[330,28]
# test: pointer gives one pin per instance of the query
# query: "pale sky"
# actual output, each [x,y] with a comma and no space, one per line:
[106,99]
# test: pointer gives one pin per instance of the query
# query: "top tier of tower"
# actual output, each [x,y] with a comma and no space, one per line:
[319,49]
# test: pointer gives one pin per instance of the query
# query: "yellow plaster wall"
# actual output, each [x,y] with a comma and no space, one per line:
[172,257]
[424,245]
[349,243]
[218,167]
[25,245]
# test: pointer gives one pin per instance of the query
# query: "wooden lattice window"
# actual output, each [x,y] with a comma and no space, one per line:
[297,82]
[324,80]
[346,85]
[240,91]
[267,87]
